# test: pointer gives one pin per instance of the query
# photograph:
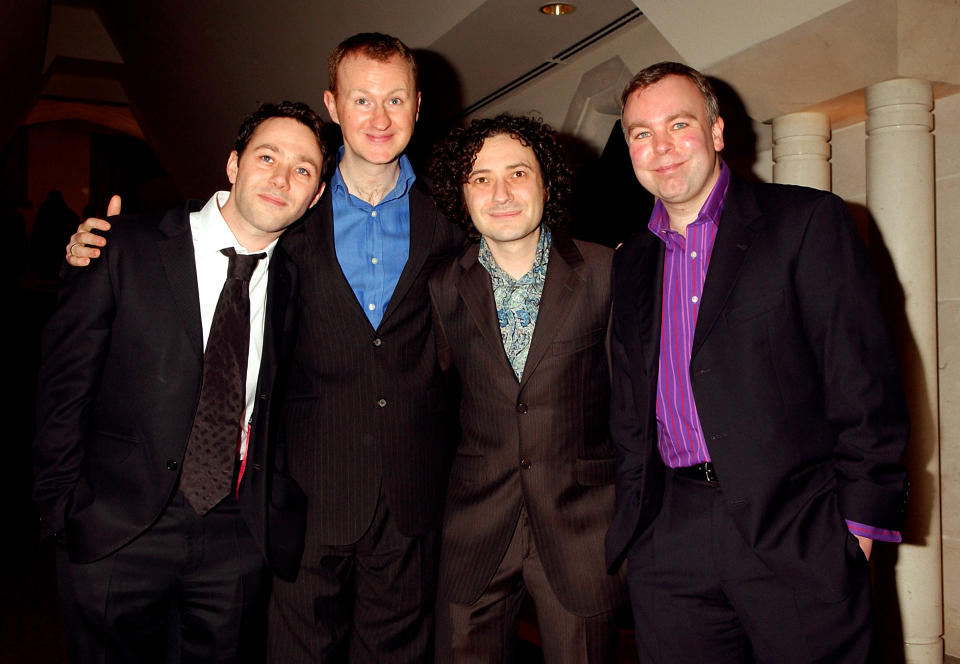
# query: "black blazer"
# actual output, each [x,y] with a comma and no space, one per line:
[118,389]
[365,409]
[542,442]
[794,377]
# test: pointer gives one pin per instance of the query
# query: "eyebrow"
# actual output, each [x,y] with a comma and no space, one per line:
[506,168]
[672,118]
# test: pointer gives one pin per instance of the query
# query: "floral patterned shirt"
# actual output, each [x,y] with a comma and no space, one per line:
[517,300]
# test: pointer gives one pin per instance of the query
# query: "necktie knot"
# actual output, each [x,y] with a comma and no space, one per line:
[241,265]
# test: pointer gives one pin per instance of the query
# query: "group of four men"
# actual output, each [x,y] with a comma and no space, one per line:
[449,412]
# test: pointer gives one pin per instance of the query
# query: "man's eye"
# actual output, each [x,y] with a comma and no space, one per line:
[638,135]
[396,100]
[479,180]
[303,171]
[519,174]
[266,158]
[361,101]
[679,125]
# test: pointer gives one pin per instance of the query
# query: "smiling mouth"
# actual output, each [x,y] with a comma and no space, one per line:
[273,200]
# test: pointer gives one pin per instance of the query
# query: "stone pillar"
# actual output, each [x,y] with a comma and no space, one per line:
[900,199]
[801,150]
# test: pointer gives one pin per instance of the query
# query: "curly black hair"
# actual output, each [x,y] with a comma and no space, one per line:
[454,157]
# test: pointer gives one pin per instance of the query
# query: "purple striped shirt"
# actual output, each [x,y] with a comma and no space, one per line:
[685,263]
[679,434]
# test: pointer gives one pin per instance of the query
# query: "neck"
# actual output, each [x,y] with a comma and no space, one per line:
[369,182]
[516,257]
[683,214]
[250,241]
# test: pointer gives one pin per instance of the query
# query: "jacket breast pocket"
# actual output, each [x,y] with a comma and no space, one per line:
[757,307]
[565,346]
[596,472]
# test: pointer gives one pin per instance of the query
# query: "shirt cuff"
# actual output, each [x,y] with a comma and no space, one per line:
[877,534]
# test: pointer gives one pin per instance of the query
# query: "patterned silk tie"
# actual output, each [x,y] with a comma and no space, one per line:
[212,448]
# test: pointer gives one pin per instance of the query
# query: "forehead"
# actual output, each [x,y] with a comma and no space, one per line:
[359,70]
[503,151]
[289,135]
[670,96]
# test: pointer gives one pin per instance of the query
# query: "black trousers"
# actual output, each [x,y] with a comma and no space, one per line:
[189,589]
[700,594]
[367,602]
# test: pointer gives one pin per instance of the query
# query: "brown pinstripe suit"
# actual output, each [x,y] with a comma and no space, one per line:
[541,443]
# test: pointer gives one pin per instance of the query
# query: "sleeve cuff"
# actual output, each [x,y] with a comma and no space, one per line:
[876,534]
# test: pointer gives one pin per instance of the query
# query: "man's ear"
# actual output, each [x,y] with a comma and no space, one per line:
[233,165]
[330,101]
[323,185]
[417,117]
[716,131]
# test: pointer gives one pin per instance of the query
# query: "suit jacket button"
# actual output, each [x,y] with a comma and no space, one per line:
[382,403]
[378,342]
[522,408]
[172,464]
[525,463]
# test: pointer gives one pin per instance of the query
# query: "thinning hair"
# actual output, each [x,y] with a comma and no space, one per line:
[374,45]
[656,73]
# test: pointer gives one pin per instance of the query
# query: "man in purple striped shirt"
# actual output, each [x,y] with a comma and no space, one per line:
[756,404]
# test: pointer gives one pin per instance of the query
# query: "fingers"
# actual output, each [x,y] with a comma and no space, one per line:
[89,225]
[113,207]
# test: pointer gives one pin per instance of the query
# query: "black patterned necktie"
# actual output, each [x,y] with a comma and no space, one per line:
[212,447]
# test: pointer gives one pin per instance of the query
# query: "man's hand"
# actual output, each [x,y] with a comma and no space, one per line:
[83,244]
[866,545]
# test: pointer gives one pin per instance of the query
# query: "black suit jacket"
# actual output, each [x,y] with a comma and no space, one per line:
[118,390]
[542,442]
[794,377]
[365,408]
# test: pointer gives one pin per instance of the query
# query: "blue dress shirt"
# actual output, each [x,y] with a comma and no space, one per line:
[372,241]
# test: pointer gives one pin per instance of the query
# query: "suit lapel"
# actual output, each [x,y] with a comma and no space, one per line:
[559,289]
[179,265]
[647,300]
[477,293]
[735,234]
[322,251]
[422,228]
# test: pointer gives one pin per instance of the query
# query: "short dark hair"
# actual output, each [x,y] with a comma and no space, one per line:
[374,45]
[454,157]
[295,110]
[655,73]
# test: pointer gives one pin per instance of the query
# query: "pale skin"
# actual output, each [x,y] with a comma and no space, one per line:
[504,195]
[376,105]
[674,148]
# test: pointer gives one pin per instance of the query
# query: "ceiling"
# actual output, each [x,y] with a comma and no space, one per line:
[190,70]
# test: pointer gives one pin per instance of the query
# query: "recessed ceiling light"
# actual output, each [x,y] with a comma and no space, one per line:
[557,9]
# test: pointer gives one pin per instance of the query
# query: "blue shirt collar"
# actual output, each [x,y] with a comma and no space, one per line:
[404,182]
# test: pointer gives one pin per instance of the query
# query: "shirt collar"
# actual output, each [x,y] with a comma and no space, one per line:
[404,181]
[210,230]
[486,259]
[712,208]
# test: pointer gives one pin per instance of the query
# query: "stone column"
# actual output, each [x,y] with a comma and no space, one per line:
[801,151]
[900,199]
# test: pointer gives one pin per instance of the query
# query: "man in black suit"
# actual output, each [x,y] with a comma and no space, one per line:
[150,530]
[520,319]
[756,405]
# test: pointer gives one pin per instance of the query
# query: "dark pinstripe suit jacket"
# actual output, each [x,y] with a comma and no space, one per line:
[365,409]
[542,442]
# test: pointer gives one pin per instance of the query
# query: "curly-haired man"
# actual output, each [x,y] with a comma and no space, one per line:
[520,321]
